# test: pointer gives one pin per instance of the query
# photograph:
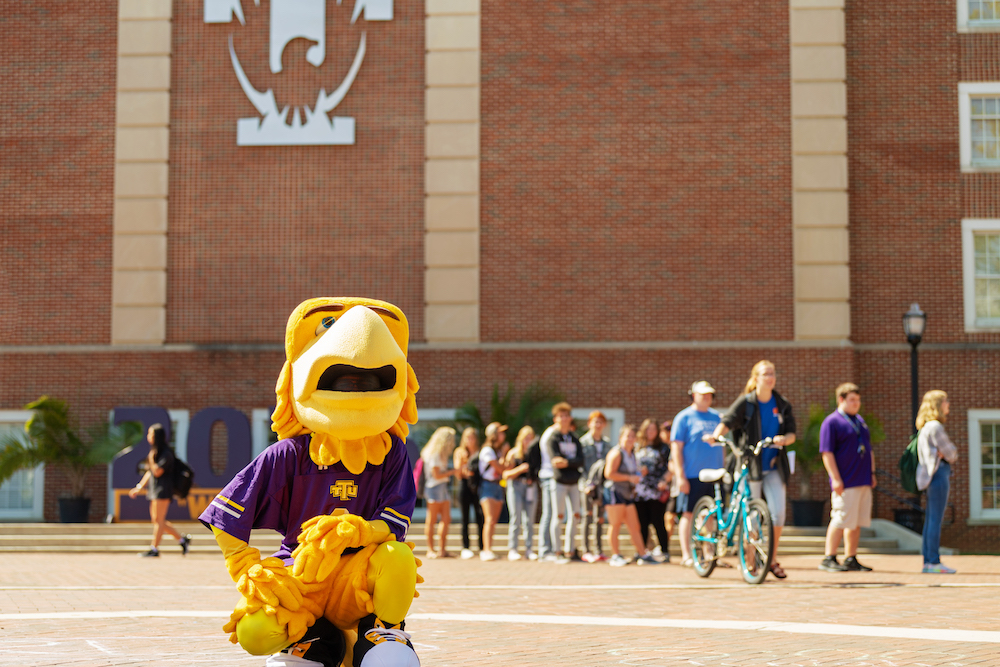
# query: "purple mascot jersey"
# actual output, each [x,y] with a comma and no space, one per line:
[282,488]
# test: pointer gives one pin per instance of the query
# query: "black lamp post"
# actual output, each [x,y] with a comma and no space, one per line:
[914,321]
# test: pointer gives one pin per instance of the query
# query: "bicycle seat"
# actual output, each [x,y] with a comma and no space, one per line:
[712,476]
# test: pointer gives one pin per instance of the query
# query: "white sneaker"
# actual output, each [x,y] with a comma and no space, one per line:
[286,660]
[513,555]
[550,557]
[532,555]
[467,554]
[687,562]
[658,551]
[487,555]
[617,561]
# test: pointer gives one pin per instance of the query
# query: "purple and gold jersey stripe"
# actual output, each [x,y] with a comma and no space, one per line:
[227,507]
[396,519]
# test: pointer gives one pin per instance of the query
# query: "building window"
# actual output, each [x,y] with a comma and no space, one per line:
[985,121]
[984,464]
[22,496]
[979,126]
[978,15]
[981,269]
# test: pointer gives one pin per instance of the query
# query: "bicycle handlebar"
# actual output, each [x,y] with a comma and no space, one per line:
[766,443]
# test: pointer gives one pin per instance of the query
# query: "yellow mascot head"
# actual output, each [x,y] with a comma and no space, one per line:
[346,380]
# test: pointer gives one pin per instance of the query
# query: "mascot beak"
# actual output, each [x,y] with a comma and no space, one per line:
[351,380]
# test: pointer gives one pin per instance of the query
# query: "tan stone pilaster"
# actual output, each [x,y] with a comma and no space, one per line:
[451,171]
[142,147]
[819,169]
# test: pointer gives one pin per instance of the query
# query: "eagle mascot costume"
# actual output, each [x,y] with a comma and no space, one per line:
[339,488]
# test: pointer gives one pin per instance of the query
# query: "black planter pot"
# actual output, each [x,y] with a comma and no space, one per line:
[74,510]
[808,512]
[912,519]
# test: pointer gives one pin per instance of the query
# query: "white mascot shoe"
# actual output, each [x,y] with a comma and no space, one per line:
[379,645]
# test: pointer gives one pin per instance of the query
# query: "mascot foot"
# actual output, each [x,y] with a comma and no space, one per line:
[381,645]
[322,646]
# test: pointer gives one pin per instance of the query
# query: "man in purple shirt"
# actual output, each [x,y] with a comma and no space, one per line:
[845,443]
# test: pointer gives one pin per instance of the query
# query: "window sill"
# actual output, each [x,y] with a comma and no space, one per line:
[980,169]
[972,28]
[982,521]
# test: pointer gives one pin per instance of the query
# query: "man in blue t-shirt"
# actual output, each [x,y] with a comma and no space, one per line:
[845,443]
[692,455]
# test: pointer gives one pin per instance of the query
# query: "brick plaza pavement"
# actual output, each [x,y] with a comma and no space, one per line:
[99,609]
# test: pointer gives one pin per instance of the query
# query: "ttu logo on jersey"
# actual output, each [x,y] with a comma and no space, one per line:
[292,19]
[344,489]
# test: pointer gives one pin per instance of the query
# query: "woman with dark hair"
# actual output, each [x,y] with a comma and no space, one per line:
[159,476]
[651,494]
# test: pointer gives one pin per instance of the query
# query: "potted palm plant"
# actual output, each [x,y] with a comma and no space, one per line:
[51,437]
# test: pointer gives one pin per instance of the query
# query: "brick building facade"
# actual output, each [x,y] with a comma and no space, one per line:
[615,199]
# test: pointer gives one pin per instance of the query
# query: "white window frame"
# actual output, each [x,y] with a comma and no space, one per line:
[963,20]
[969,228]
[37,511]
[976,512]
[965,92]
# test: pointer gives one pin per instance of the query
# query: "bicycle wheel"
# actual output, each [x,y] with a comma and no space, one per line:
[756,542]
[704,536]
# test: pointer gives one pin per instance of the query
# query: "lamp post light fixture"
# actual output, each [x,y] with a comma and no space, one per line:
[914,321]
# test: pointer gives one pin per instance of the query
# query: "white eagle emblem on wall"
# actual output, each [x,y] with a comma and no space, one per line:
[291,19]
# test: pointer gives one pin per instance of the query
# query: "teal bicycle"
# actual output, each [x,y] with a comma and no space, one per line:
[744,525]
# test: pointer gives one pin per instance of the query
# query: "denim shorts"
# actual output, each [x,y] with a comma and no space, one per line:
[491,490]
[437,494]
[612,497]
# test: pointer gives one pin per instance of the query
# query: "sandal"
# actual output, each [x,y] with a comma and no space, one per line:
[777,571]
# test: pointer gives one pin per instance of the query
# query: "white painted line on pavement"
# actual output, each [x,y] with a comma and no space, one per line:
[94,644]
[644,587]
[543,587]
[933,634]
[69,615]
[114,588]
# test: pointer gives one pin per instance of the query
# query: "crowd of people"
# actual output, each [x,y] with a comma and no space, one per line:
[648,480]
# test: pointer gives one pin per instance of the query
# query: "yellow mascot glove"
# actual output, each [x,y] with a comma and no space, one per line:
[324,538]
[262,583]
[270,582]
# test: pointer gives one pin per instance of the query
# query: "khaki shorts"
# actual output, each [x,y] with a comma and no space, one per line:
[852,509]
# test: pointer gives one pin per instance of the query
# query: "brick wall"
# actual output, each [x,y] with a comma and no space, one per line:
[635,157]
[908,195]
[254,231]
[58,139]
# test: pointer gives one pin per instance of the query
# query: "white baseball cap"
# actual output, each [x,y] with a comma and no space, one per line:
[702,387]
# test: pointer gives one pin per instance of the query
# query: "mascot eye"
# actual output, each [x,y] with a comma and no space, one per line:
[325,324]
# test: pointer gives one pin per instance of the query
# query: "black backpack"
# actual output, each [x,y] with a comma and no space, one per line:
[183,478]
